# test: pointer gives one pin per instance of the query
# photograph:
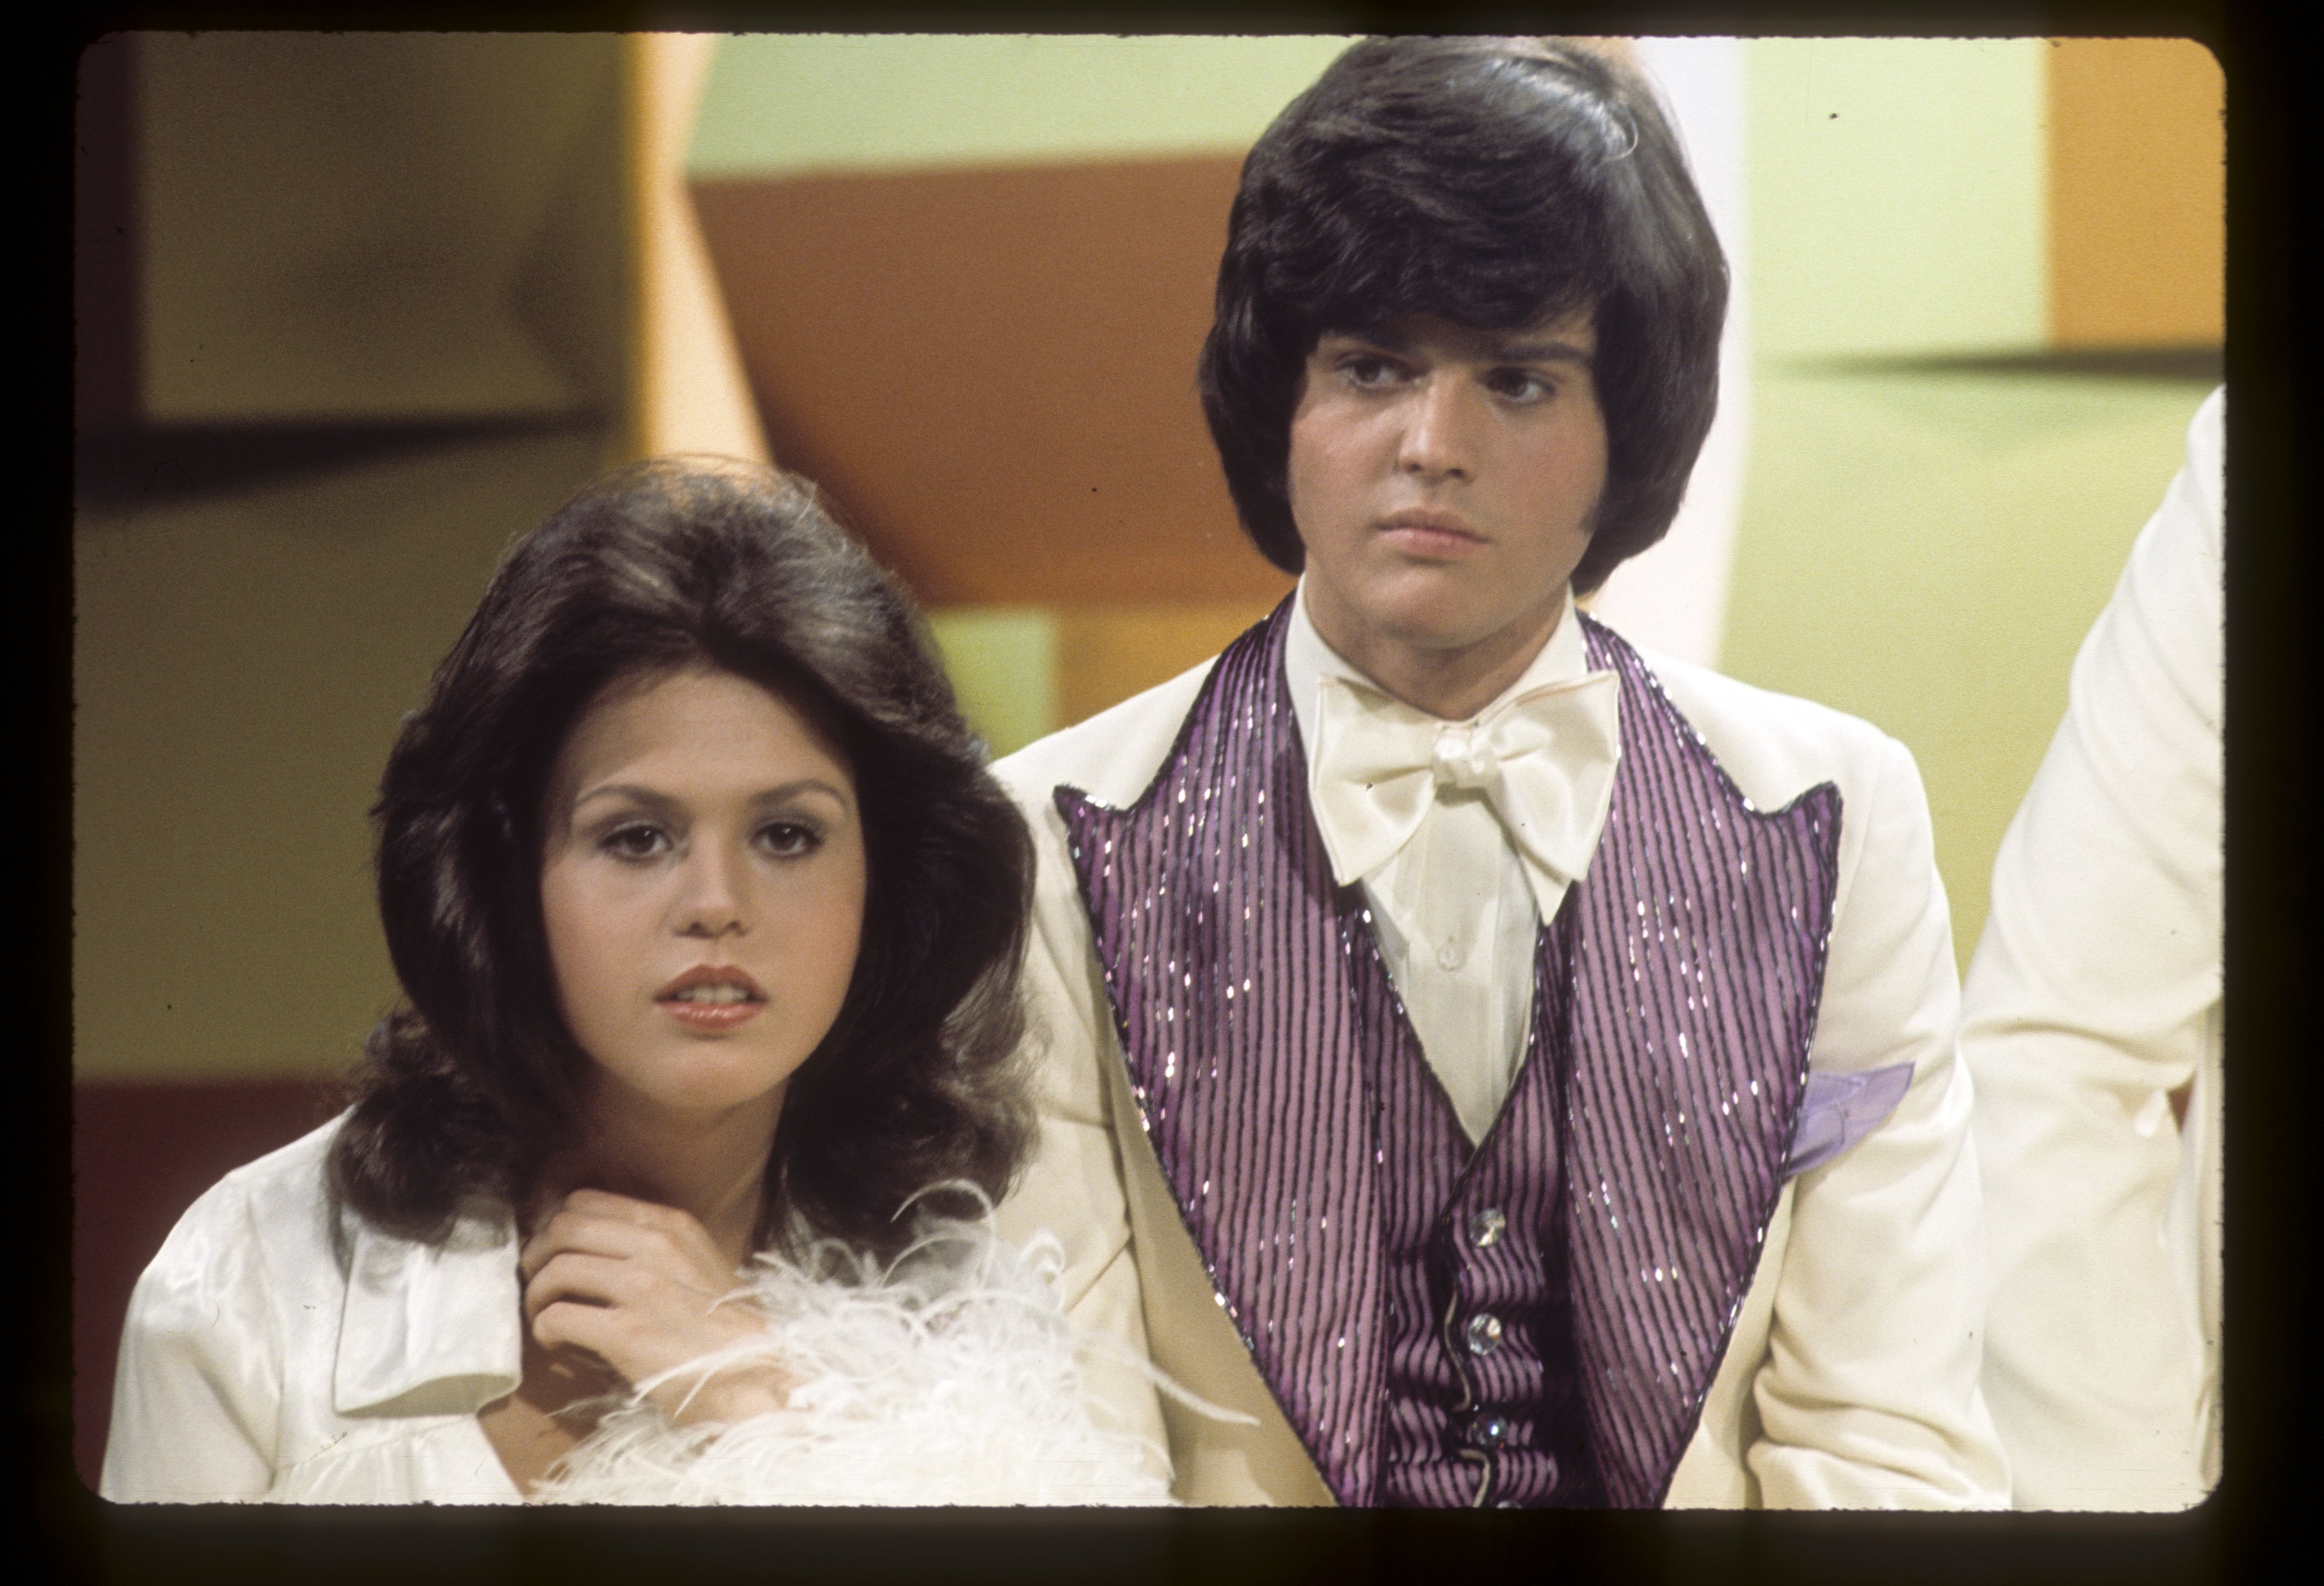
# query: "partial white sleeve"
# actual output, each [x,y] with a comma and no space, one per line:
[1869,1395]
[1072,1187]
[2091,1009]
[199,1386]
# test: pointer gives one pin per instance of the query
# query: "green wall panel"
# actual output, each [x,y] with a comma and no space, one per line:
[1926,550]
[1898,195]
[1003,665]
[778,103]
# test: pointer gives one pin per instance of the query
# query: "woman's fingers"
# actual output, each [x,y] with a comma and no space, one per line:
[600,1223]
[589,1280]
[639,1286]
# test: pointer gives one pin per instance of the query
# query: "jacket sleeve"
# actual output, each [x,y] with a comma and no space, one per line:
[1868,1397]
[197,1387]
[2091,1023]
[1073,1188]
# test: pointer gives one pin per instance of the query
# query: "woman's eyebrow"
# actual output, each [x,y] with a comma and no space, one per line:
[655,799]
[784,792]
[636,792]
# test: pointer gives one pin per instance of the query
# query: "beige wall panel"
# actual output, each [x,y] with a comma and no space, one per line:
[2137,193]
[689,392]
[1105,654]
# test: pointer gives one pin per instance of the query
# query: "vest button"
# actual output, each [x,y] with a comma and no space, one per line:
[1486,1227]
[1488,1432]
[1449,956]
[1484,1333]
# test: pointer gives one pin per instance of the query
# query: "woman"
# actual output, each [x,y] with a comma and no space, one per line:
[708,918]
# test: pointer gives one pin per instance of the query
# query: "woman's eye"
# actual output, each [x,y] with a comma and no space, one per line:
[1368,371]
[1518,384]
[635,841]
[790,839]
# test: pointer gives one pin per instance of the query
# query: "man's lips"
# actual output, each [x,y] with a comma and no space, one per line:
[1429,533]
[711,997]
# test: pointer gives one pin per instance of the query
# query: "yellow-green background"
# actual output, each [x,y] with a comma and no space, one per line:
[1920,544]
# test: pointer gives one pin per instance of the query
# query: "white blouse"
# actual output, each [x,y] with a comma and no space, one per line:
[257,1364]
[275,1351]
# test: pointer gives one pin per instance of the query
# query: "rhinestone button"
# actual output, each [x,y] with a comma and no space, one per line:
[1486,1227]
[1488,1432]
[1484,1333]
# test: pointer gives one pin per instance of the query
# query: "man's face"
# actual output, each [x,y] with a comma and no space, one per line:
[1445,481]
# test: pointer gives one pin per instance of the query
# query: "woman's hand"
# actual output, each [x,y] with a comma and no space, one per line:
[638,1285]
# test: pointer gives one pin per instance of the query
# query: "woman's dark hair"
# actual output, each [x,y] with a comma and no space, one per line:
[468,1088]
[1492,182]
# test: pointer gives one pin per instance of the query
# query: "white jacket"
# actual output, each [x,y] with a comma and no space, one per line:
[2092,1006]
[1852,1377]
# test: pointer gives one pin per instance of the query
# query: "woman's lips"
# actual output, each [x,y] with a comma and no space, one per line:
[711,997]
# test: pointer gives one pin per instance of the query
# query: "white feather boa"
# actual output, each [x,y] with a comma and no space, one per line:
[949,1377]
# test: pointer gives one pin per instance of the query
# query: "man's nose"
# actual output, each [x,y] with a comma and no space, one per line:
[1436,442]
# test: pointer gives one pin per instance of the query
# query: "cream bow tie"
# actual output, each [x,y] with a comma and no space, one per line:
[1543,760]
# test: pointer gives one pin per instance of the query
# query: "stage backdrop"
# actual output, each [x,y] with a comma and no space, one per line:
[353,309]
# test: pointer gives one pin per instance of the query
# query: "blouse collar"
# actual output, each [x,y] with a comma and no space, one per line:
[430,1329]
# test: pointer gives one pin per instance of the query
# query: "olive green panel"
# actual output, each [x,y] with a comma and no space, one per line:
[358,226]
[780,103]
[1898,195]
[240,664]
[1926,550]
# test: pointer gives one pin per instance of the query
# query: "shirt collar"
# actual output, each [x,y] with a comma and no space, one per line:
[429,1329]
[1308,659]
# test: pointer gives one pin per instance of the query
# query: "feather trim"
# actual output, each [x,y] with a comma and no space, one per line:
[949,1377]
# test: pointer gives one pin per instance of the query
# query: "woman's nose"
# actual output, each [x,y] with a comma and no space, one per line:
[713,901]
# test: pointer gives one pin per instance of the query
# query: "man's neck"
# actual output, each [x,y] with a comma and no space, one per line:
[1449,683]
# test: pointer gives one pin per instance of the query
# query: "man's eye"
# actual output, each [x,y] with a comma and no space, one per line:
[1519,384]
[636,840]
[790,839]
[1368,371]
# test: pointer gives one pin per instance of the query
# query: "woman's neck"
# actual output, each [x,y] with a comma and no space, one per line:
[711,1167]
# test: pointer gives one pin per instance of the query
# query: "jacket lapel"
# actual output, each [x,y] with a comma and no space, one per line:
[1227,963]
[1697,974]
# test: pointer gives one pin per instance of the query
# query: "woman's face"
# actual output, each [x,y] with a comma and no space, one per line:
[701,887]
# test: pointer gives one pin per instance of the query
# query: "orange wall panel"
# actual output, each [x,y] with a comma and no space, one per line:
[993,371]
[2137,193]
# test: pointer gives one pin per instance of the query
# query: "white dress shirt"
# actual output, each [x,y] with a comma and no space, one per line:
[1456,910]
[2094,999]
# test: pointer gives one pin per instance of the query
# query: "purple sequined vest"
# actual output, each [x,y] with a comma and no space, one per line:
[1636,1165]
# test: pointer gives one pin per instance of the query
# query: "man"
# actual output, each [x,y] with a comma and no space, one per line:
[1486,1065]
[2091,1021]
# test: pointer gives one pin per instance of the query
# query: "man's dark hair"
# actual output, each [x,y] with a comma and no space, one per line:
[469,1086]
[1492,182]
